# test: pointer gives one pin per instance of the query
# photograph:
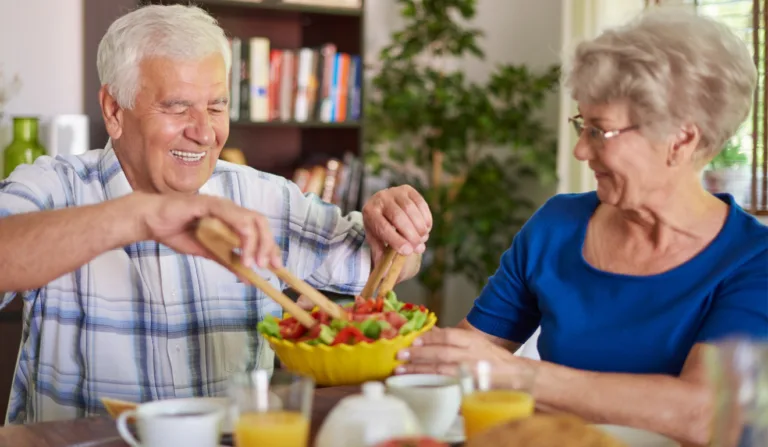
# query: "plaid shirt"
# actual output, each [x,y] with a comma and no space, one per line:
[143,322]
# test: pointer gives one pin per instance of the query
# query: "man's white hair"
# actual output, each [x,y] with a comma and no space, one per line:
[174,31]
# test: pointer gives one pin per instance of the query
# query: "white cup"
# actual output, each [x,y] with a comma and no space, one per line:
[175,422]
[434,399]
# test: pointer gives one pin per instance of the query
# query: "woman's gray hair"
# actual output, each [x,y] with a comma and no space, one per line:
[175,31]
[673,68]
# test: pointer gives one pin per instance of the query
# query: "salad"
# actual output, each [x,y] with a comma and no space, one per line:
[370,319]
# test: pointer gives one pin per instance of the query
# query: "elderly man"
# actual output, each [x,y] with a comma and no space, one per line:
[119,299]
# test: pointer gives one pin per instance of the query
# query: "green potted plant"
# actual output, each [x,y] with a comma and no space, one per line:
[472,149]
[728,172]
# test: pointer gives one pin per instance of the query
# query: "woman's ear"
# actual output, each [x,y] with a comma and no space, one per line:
[684,144]
[111,112]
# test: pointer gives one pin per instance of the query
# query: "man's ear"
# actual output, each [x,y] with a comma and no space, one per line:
[111,112]
[684,144]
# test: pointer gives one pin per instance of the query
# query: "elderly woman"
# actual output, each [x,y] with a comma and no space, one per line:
[630,283]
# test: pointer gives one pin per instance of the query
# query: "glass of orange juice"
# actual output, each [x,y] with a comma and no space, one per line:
[492,396]
[272,408]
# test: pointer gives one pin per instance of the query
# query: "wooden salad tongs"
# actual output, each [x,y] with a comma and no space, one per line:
[384,282]
[215,236]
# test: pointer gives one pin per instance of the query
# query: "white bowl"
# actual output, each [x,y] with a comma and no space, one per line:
[434,399]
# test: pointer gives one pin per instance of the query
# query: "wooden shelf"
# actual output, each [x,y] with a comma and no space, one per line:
[276,5]
[300,125]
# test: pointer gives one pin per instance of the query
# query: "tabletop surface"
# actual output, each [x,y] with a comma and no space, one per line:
[102,432]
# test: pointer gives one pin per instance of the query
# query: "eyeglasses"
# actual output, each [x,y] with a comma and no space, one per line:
[594,134]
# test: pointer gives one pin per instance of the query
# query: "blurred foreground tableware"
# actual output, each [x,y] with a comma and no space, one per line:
[738,371]
[494,397]
[174,422]
[418,441]
[635,437]
[272,409]
[116,407]
[542,430]
[434,399]
[365,419]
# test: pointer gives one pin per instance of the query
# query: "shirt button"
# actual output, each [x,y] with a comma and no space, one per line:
[178,348]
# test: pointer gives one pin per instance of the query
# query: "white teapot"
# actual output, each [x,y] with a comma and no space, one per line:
[363,420]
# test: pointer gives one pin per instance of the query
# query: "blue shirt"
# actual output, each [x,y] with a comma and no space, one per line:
[606,322]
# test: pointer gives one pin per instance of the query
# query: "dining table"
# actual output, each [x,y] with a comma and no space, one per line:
[101,431]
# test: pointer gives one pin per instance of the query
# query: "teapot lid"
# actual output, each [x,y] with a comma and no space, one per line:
[373,390]
[372,399]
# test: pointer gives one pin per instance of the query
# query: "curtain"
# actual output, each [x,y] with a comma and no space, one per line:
[583,19]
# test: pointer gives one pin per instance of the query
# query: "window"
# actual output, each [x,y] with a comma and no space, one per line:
[749,19]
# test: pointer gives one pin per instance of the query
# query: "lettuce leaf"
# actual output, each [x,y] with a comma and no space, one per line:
[269,326]
[417,320]
[372,328]
[391,303]
[327,335]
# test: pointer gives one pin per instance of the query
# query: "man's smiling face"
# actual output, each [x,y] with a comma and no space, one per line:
[171,138]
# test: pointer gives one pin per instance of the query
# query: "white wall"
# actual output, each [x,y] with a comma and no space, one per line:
[42,42]
[516,31]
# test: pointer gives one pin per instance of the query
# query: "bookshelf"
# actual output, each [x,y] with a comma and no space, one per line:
[280,145]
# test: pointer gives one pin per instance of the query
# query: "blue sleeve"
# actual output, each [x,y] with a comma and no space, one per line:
[505,307]
[740,306]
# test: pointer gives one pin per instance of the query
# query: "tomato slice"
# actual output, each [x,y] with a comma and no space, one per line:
[395,319]
[321,317]
[290,321]
[389,333]
[349,336]
[292,331]
[367,306]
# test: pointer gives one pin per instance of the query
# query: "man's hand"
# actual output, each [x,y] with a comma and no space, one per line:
[398,217]
[171,219]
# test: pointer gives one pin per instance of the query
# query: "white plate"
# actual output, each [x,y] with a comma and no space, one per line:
[635,437]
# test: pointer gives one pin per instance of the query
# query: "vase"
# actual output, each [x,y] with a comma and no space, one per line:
[25,146]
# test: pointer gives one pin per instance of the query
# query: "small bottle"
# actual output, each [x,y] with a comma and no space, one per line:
[25,147]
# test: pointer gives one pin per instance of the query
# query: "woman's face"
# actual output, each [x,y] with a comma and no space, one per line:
[630,169]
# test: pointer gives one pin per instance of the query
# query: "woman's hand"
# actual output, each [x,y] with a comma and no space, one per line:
[441,351]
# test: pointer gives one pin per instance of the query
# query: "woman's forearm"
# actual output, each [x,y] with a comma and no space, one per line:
[668,405]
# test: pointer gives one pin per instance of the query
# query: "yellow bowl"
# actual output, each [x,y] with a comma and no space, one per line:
[345,364]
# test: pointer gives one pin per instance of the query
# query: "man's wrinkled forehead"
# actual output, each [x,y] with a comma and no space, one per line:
[184,80]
